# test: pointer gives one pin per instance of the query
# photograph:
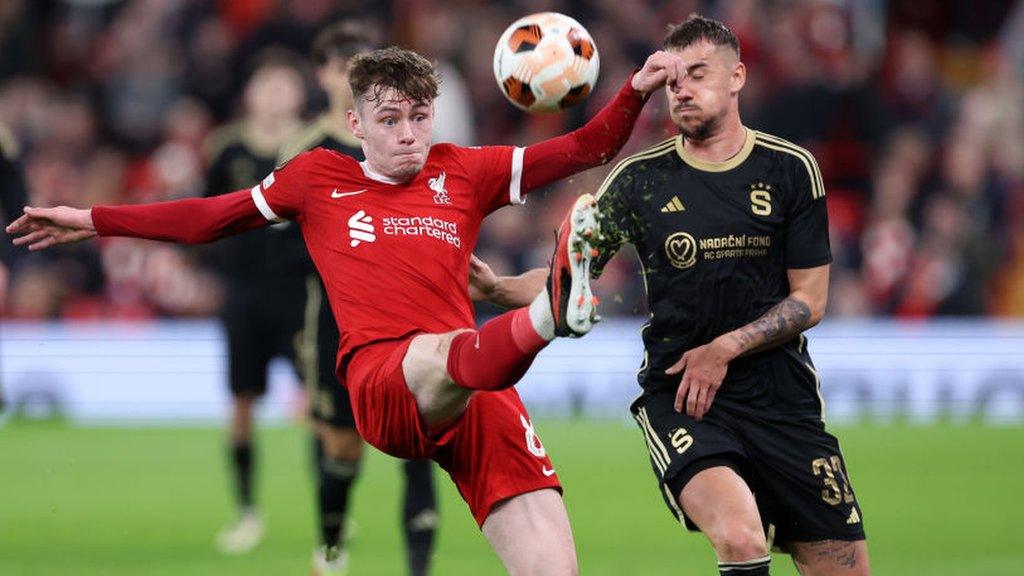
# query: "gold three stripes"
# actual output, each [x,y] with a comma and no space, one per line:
[674,205]
[776,143]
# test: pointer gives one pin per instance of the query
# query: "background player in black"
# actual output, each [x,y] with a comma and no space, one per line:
[263,270]
[731,227]
[339,447]
[13,195]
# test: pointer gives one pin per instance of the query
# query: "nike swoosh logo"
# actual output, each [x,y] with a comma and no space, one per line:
[547,471]
[336,194]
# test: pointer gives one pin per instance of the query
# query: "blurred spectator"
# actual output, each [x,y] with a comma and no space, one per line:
[914,110]
[17,31]
[13,196]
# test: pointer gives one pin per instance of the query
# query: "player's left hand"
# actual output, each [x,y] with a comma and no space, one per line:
[482,280]
[703,370]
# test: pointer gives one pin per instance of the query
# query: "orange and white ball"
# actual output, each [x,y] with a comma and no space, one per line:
[546,62]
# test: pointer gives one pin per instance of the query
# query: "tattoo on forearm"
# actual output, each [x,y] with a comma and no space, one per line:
[837,552]
[783,321]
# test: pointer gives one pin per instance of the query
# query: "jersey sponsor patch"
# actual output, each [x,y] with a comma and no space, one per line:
[428,226]
[360,229]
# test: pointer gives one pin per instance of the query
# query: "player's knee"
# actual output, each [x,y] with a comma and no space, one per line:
[438,400]
[424,364]
[737,542]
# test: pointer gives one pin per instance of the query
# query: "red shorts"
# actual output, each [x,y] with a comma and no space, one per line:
[491,452]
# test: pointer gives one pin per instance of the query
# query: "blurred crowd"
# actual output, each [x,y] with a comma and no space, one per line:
[912,108]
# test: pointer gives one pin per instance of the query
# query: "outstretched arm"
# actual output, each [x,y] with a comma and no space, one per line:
[600,139]
[189,221]
[504,291]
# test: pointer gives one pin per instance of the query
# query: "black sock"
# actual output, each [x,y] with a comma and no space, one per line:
[755,567]
[241,460]
[419,515]
[334,482]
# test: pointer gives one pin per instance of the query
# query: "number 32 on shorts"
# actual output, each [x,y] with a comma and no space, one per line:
[837,487]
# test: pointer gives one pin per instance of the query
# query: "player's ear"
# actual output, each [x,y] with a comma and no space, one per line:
[739,78]
[354,125]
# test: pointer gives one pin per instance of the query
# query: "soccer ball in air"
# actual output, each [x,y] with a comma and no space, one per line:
[546,62]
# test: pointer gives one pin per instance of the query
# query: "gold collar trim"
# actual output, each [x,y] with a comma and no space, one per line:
[708,166]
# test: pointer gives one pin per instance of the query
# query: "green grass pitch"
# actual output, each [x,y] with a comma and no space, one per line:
[943,500]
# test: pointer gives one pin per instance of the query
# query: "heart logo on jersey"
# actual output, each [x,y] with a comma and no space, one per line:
[681,250]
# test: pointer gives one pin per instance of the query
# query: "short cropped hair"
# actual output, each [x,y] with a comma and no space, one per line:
[344,39]
[698,28]
[372,74]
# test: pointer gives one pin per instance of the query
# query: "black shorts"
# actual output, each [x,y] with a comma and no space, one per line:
[328,399]
[793,466]
[260,324]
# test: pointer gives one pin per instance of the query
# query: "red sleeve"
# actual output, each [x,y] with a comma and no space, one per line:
[279,196]
[190,221]
[282,194]
[493,172]
[597,142]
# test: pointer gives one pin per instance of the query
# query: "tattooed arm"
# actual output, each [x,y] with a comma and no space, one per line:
[704,367]
[802,309]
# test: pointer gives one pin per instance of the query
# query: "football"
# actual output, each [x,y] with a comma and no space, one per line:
[546,62]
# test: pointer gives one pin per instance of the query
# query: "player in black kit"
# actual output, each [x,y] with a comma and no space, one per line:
[731,228]
[13,195]
[263,270]
[339,446]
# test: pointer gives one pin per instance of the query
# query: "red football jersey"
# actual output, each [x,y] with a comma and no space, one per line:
[394,257]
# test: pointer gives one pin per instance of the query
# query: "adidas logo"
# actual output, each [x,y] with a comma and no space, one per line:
[674,205]
[360,228]
[854,517]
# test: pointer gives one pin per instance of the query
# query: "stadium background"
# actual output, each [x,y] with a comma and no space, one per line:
[913,109]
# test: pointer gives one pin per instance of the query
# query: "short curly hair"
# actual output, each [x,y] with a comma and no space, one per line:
[697,28]
[372,74]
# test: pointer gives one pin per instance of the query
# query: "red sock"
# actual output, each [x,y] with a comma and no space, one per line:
[497,355]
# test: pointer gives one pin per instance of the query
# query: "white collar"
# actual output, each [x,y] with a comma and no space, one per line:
[369,173]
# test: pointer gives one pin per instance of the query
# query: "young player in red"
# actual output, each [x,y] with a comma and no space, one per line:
[392,237]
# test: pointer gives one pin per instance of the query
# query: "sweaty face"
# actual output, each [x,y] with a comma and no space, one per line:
[395,133]
[700,100]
